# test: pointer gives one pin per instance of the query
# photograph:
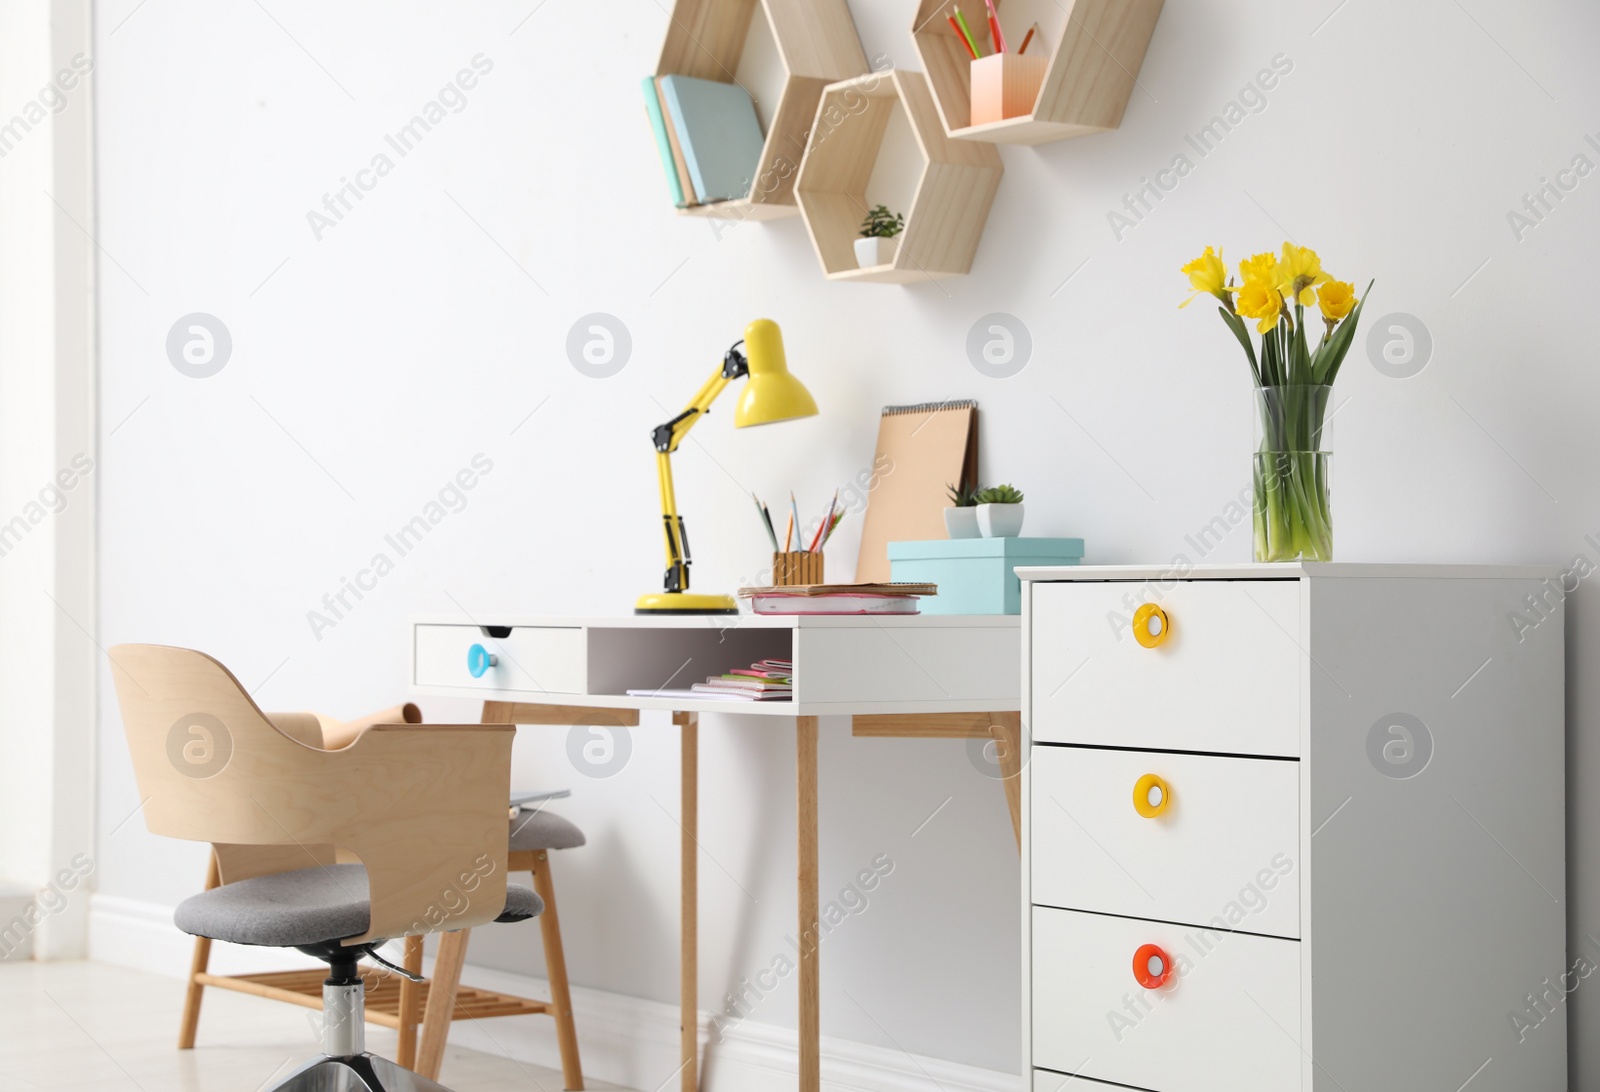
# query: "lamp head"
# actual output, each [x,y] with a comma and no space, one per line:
[771,393]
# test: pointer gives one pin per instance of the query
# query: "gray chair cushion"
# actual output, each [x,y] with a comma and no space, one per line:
[306,906]
[543,830]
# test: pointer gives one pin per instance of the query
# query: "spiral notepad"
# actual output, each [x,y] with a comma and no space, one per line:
[922,449]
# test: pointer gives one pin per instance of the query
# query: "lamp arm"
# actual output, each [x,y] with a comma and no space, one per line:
[666,437]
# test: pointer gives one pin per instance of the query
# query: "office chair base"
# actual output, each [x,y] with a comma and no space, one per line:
[358,1073]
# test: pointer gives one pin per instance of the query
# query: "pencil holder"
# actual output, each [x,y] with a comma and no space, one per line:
[797,567]
[1005,85]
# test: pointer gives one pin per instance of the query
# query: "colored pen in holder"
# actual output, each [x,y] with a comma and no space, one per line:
[797,567]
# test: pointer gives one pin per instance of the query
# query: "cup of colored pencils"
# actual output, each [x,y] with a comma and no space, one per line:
[798,558]
[1005,84]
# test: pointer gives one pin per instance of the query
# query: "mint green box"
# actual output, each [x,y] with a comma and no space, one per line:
[976,575]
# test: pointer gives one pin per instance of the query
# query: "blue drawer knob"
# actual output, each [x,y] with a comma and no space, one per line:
[480,660]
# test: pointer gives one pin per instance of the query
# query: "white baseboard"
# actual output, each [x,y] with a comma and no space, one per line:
[624,1040]
[16,935]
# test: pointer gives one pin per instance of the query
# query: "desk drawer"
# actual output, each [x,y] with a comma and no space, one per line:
[1227,1021]
[533,659]
[1223,851]
[1226,677]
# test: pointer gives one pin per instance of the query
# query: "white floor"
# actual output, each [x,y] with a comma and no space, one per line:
[89,1027]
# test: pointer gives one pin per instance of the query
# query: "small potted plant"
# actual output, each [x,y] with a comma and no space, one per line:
[878,237]
[961,518]
[1000,511]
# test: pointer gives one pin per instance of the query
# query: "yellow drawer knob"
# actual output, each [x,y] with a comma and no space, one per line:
[1151,795]
[1150,625]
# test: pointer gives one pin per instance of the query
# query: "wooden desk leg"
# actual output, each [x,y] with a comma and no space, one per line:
[441,1001]
[688,894]
[810,932]
[405,1054]
[1007,728]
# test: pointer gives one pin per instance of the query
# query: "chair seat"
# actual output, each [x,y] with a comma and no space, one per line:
[304,907]
[543,830]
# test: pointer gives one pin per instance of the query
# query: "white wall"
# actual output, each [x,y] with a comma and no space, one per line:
[369,366]
[47,504]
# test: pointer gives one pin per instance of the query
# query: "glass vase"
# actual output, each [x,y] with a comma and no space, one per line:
[1292,518]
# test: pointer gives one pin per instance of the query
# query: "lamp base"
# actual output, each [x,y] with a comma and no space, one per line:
[685,603]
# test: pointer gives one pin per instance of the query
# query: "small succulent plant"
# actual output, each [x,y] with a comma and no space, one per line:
[962,496]
[999,494]
[882,224]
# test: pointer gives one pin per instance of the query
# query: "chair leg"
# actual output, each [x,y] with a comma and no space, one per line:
[410,1005]
[555,961]
[197,966]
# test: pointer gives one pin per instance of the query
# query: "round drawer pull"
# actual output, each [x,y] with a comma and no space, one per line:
[1151,795]
[480,660]
[1150,625]
[1151,967]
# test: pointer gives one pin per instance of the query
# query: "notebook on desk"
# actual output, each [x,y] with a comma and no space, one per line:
[923,449]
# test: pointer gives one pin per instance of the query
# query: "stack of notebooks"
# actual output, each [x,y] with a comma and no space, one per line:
[708,137]
[764,680]
[886,598]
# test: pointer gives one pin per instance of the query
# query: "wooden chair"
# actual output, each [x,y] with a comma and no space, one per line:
[393,1001]
[419,806]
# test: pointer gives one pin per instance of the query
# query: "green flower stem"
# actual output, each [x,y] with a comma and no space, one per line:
[1292,517]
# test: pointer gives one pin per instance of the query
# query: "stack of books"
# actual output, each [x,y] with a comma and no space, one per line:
[886,598]
[766,680]
[708,137]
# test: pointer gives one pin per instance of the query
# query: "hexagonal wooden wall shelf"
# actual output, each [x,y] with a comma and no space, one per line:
[817,44]
[1086,86]
[954,190]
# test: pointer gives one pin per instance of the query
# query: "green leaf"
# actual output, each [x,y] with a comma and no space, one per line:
[1331,353]
[1236,324]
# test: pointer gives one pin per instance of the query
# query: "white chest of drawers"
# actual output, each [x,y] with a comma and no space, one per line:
[1307,834]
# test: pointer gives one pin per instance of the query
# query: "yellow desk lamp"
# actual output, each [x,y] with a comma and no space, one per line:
[771,394]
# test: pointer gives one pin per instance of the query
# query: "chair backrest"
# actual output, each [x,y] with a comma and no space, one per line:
[422,806]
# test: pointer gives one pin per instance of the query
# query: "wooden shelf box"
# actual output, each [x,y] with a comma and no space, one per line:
[1093,68]
[954,190]
[816,44]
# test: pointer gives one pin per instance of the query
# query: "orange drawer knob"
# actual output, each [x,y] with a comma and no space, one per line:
[1151,795]
[1151,967]
[1150,625]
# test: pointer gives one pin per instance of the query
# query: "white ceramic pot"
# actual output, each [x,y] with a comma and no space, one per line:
[875,251]
[999,520]
[961,522]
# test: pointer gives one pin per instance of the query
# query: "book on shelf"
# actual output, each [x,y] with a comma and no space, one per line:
[884,588]
[685,692]
[718,133]
[764,680]
[665,143]
[875,598]
[835,604]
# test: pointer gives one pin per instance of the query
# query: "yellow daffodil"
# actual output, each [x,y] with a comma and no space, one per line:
[1260,269]
[1260,300]
[1336,298]
[1301,270]
[1207,274]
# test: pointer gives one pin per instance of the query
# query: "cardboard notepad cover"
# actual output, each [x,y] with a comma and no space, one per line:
[719,133]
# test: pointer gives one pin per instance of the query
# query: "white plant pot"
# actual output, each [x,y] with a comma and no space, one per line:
[961,522]
[1000,520]
[875,251]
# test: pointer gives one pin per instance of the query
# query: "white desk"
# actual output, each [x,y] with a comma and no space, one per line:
[907,677]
